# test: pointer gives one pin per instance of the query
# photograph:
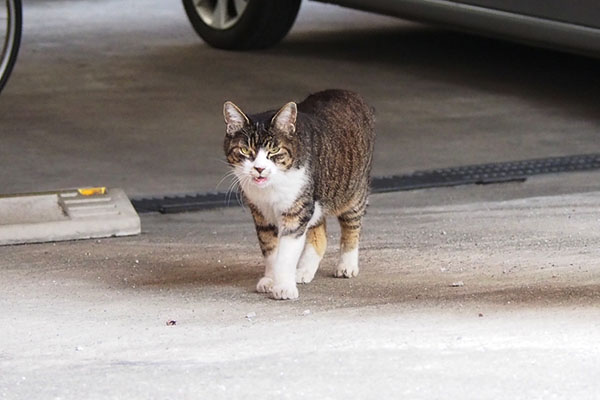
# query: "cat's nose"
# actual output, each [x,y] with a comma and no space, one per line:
[260,170]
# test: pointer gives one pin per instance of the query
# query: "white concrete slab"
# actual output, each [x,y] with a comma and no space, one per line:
[66,215]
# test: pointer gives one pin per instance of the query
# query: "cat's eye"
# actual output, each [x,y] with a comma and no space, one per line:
[244,150]
[274,150]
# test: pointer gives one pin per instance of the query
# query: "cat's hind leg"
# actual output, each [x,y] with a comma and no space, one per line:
[350,224]
[316,242]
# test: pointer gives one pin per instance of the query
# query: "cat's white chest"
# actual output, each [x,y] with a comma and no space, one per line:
[279,196]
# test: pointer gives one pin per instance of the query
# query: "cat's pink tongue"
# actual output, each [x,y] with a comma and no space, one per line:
[259,180]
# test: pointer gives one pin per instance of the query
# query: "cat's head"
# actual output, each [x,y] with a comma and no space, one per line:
[261,149]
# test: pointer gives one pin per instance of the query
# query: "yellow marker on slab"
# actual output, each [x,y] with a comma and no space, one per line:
[92,191]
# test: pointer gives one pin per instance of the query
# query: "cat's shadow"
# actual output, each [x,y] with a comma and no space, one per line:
[193,273]
[226,279]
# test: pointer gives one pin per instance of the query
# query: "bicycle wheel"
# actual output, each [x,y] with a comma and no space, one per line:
[11,20]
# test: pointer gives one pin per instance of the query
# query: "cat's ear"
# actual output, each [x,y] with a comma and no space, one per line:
[285,119]
[234,117]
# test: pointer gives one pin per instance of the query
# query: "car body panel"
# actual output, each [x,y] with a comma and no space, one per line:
[579,12]
[570,25]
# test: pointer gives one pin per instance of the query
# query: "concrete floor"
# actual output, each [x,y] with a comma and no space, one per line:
[88,319]
[122,93]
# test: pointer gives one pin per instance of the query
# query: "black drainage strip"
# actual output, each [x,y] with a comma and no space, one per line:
[471,174]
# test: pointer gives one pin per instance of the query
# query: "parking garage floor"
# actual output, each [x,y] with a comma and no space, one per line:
[474,292]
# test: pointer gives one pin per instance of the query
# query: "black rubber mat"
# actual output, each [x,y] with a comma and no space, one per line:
[470,174]
[184,203]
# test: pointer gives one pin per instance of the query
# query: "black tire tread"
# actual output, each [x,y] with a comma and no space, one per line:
[277,20]
[264,23]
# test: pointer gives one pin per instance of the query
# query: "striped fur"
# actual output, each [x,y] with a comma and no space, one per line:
[296,166]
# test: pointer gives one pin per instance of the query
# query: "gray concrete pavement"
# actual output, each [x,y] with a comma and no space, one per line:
[122,93]
[87,319]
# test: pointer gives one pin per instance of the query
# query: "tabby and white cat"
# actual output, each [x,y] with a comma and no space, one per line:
[295,167]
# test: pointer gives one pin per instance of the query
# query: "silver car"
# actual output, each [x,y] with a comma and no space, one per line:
[569,25]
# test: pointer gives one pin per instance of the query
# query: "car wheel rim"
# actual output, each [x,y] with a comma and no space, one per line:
[220,14]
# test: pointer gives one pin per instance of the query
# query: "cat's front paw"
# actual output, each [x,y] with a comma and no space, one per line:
[284,291]
[346,271]
[305,275]
[264,285]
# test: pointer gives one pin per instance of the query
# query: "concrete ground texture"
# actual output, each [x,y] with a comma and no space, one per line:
[471,292]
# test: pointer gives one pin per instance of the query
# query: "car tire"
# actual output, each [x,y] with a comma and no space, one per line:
[261,24]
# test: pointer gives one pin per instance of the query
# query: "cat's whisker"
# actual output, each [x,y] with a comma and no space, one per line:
[241,200]
[234,189]
[243,184]
[233,185]
[234,181]
[220,160]
[236,185]
[227,175]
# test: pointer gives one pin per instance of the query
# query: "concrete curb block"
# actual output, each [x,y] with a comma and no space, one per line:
[66,215]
